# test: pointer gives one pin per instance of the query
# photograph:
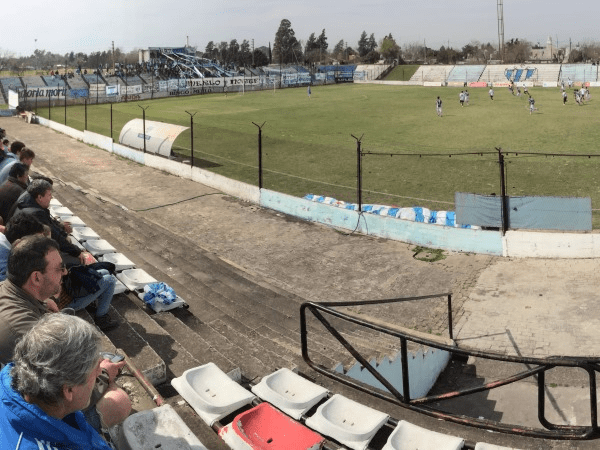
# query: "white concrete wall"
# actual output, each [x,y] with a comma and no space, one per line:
[98,140]
[523,244]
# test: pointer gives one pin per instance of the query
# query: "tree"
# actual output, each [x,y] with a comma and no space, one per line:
[222,48]
[245,56]
[389,49]
[338,50]
[311,43]
[363,44]
[516,51]
[211,50]
[286,48]
[260,58]
[233,51]
[322,42]
[372,43]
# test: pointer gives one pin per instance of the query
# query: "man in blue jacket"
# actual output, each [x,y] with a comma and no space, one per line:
[50,381]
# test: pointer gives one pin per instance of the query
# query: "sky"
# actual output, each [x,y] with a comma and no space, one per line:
[88,26]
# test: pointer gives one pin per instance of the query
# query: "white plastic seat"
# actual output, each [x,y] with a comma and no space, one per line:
[134,278]
[407,436]
[211,393]
[289,392]
[347,421]
[83,234]
[484,446]
[159,428]
[99,247]
[75,221]
[58,211]
[120,261]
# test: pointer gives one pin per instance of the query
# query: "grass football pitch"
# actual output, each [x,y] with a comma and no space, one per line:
[414,157]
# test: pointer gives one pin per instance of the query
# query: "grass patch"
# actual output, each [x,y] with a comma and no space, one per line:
[402,72]
[308,147]
[428,254]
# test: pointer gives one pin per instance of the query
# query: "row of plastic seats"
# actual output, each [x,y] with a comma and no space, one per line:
[414,214]
[214,395]
[128,276]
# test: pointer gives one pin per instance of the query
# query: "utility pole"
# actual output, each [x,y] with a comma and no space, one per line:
[501,29]
[253,52]
[113,55]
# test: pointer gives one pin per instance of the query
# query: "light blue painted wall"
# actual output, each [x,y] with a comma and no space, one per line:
[428,235]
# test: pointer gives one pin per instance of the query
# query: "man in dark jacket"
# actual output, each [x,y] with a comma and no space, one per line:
[36,201]
[13,188]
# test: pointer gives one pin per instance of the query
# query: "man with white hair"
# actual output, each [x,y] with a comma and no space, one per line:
[51,380]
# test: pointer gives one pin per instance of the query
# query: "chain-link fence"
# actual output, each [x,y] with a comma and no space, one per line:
[397,179]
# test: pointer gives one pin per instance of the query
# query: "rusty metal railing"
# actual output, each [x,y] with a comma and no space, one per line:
[423,404]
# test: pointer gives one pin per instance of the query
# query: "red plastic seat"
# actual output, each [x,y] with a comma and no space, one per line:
[264,427]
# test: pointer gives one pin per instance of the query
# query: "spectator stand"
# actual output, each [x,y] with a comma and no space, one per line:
[579,73]
[466,74]
[7,83]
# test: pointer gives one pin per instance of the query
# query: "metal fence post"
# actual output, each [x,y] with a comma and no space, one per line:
[504,199]
[192,136]
[85,113]
[260,183]
[358,172]
[144,123]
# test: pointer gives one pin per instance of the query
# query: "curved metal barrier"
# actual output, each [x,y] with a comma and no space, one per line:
[423,404]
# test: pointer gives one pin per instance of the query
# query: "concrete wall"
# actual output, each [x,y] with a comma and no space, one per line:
[428,235]
[514,244]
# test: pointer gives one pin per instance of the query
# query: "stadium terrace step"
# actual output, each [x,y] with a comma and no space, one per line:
[214,291]
[176,358]
[126,336]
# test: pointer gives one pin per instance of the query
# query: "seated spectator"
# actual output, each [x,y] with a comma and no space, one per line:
[36,201]
[17,228]
[101,291]
[18,178]
[53,378]
[13,154]
[5,146]
[25,156]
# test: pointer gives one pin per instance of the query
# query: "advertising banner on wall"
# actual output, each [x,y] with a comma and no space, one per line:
[45,92]
[112,90]
[137,89]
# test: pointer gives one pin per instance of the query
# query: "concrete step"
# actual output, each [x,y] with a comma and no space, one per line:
[191,329]
[224,295]
[176,359]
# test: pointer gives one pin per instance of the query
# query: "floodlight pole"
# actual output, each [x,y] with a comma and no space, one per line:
[192,135]
[144,123]
[504,199]
[260,183]
[358,172]
[111,122]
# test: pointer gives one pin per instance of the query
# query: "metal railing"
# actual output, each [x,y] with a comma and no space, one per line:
[424,404]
